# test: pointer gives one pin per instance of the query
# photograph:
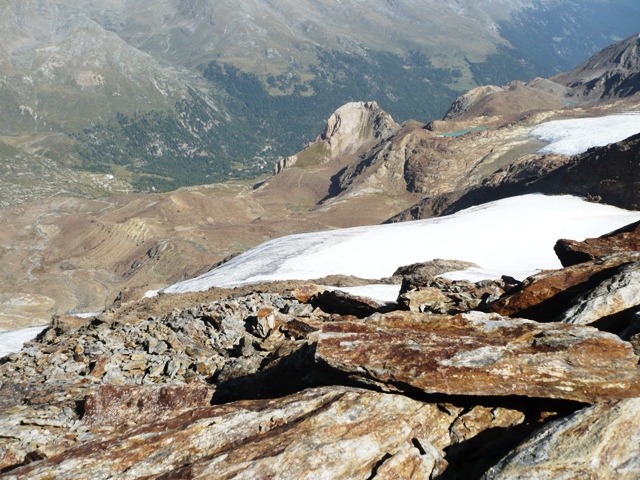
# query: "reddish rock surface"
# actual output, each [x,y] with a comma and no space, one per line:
[572,252]
[546,295]
[333,432]
[484,355]
[128,405]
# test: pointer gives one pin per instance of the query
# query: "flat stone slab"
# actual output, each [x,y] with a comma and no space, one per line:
[482,354]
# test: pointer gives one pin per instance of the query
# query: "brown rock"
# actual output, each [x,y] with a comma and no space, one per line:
[433,268]
[305,293]
[482,354]
[546,295]
[411,464]
[332,432]
[98,368]
[337,301]
[598,442]
[612,303]
[299,329]
[481,418]
[129,405]
[626,239]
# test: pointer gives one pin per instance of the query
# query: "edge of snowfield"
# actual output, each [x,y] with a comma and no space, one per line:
[576,135]
[513,236]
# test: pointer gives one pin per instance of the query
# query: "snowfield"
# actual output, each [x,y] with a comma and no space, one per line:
[575,136]
[514,236]
[11,341]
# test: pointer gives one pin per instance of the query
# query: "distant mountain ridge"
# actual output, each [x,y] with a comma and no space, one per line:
[140,96]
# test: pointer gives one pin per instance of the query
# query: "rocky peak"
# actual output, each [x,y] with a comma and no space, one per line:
[612,73]
[463,102]
[354,124]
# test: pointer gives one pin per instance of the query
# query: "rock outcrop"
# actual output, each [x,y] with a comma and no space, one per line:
[482,354]
[355,123]
[285,162]
[317,383]
[572,252]
[546,295]
[597,442]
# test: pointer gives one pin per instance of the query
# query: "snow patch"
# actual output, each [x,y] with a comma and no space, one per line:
[575,136]
[380,292]
[513,236]
[11,341]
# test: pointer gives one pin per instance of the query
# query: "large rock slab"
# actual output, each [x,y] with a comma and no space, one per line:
[602,441]
[572,252]
[330,432]
[617,296]
[482,354]
[547,295]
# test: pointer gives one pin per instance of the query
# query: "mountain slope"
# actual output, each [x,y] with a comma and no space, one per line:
[176,92]
[612,73]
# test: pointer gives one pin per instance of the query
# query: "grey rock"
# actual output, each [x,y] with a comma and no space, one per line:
[617,294]
[602,441]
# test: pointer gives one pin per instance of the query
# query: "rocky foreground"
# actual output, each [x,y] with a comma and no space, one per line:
[498,379]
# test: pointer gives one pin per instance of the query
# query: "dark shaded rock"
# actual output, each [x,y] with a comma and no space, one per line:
[342,303]
[547,295]
[482,354]
[432,268]
[572,252]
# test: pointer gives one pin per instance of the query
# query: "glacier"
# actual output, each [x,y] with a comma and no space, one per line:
[513,236]
[575,136]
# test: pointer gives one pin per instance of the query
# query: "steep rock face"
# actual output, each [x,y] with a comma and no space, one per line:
[481,354]
[354,124]
[598,442]
[285,163]
[612,73]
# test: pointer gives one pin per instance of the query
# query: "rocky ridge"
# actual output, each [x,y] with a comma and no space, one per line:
[299,384]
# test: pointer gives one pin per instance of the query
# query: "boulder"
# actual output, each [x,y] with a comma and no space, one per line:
[611,303]
[597,442]
[342,303]
[433,268]
[572,252]
[482,354]
[546,295]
